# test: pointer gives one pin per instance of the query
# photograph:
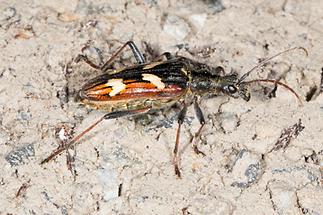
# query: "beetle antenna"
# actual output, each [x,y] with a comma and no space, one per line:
[279,83]
[269,59]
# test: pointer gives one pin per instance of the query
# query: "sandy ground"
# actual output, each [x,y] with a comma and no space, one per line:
[264,156]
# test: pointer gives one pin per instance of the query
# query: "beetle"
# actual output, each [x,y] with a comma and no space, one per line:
[150,86]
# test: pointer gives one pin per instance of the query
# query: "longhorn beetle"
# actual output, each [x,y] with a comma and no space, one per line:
[149,86]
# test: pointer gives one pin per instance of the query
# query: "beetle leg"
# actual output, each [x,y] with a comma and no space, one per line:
[117,114]
[197,135]
[167,55]
[86,60]
[112,115]
[181,117]
[219,70]
[139,57]
[107,65]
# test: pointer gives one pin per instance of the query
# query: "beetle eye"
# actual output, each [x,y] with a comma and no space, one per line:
[231,89]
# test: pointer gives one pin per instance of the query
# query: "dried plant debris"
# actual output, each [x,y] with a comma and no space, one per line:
[287,135]
[204,52]
[23,188]
[64,133]
[311,93]
[312,158]
[25,33]
[321,171]
[62,95]
[20,155]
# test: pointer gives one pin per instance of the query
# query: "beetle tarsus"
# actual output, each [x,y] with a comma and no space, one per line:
[196,137]
[177,171]
[197,151]
[84,58]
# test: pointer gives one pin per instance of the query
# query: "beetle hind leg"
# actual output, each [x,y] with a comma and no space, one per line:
[107,65]
[137,54]
[112,115]
[84,58]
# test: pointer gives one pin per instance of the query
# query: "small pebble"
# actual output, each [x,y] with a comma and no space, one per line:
[7,14]
[20,155]
[176,27]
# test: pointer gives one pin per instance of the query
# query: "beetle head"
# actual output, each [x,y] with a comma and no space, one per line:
[231,86]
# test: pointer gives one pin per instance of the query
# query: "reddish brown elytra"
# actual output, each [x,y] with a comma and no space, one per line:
[150,86]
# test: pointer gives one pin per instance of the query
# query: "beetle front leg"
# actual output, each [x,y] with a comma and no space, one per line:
[181,117]
[197,135]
